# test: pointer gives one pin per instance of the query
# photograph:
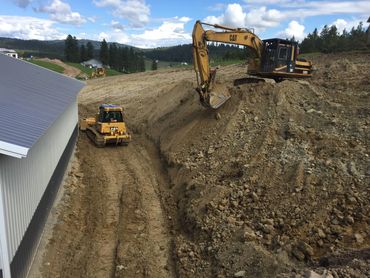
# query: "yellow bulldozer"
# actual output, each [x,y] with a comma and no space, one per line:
[98,72]
[107,127]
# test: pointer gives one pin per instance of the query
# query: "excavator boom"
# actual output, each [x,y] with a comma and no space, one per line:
[211,94]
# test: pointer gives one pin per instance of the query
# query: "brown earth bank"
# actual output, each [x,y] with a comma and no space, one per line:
[273,184]
[68,70]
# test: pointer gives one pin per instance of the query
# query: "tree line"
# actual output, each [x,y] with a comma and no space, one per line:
[184,53]
[122,59]
[329,40]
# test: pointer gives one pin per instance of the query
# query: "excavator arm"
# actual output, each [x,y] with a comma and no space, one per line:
[211,94]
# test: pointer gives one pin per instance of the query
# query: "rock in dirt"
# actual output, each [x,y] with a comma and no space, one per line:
[240,274]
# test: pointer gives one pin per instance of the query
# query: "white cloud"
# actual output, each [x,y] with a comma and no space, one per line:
[61,12]
[234,16]
[295,30]
[317,8]
[22,3]
[300,9]
[115,36]
[103,36]
[342,24]
[29,28]
[217,7]
[169,33]
[135,11]
[273,2]
[117,26]
[120,37]
[92,19]
[257,18]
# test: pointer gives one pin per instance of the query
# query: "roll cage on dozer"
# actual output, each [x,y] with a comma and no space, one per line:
[274,58]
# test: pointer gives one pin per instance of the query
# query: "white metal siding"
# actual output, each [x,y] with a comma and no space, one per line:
[1,259]
[24,180]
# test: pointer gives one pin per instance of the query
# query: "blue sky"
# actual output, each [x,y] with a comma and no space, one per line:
[150,23]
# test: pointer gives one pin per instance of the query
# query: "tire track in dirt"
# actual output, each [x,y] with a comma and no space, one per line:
[113,224]
[144,242]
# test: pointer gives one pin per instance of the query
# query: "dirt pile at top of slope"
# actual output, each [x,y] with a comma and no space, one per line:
[68,70]
[276,176]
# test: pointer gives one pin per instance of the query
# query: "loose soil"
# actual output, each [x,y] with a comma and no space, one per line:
[68,70]
[273,184]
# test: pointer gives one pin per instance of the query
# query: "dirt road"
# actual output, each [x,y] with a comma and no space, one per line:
[273,183]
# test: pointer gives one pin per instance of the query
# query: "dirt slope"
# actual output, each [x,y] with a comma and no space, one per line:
[68,70]
[275,183]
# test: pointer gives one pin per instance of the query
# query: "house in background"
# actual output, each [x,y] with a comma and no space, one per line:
[38,131]
[92,63]
[9,52]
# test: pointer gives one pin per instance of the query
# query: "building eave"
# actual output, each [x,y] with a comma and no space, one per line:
[13,150]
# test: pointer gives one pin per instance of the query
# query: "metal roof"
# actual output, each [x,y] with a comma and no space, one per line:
[31,99]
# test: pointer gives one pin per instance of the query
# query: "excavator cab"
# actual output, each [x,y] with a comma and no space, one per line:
[279,60]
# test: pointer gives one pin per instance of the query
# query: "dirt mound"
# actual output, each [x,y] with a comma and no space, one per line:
[282,167]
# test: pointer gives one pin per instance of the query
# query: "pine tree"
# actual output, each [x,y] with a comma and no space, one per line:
[113,56]
[154,65]
[71,50]
[131,60]
[104,52]
[90,51]
[141,63]
[83,53]
[125,57]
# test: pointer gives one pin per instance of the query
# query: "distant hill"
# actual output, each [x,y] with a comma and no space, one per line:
[180,53]
[49,49]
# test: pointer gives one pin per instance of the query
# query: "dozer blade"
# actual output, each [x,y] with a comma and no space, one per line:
[218,96]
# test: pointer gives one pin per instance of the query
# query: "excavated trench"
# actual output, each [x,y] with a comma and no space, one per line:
[114,222]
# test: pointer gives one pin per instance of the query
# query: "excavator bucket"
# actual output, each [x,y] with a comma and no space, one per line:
[218,96]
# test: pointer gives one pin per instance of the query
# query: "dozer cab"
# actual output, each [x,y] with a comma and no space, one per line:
[107,127]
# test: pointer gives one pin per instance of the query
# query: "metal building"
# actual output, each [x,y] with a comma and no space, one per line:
[9,52]
[38,130]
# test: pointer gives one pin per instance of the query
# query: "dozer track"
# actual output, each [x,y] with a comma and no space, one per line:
[95,137]
[101,140]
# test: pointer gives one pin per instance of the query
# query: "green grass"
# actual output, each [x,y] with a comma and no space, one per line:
[88,71]
[47,65]
[85,70]
[163,64]
[111,72]
[221,62]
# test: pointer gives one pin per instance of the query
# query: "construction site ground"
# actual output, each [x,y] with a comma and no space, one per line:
[275,183]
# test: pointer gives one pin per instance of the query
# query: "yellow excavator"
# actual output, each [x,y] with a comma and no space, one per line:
[107,127]
[274,58]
